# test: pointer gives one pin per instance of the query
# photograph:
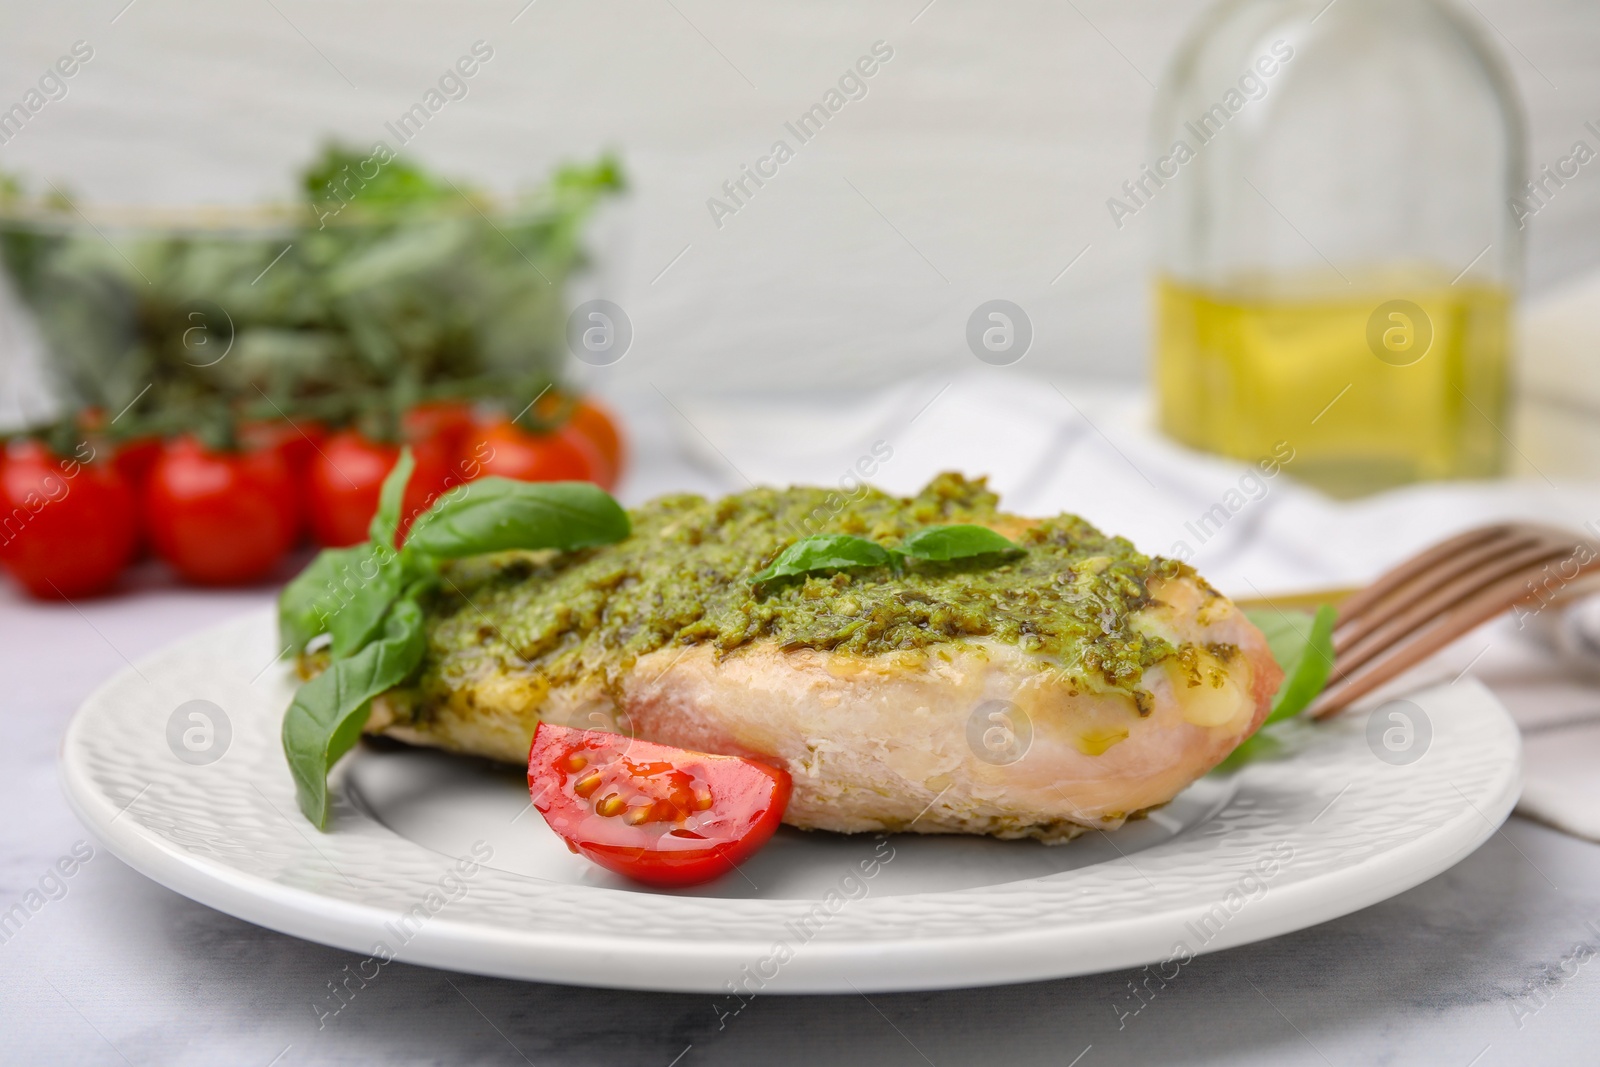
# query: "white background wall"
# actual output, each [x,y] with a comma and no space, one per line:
[977,167]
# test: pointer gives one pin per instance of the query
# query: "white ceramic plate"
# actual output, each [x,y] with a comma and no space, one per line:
[439,860]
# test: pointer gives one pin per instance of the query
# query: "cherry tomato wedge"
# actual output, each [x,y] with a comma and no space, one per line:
[657,814]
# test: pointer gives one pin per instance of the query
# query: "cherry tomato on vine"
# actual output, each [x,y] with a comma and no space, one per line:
[447,421]
[344,480]
[220,518]
[657,814]
[133,460]
[597,424]
[509,451]
[297,443]
[68,525]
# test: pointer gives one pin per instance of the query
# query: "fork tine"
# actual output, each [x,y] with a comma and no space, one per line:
[1463,603]
[1355,625]
[1451,592]
[1402,656]
[1397,577]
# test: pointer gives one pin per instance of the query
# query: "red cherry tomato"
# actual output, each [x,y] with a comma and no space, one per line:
[504,449]
[133,460]
[345,479]
[220,518]
[597,424]
[448,421]
[67,528]
[657,814]
[297,441]
[298,444]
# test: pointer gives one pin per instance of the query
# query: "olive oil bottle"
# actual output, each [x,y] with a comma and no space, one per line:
[1338,254]
[1371,389]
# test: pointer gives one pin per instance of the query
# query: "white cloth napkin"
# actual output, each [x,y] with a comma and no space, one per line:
[1050,447]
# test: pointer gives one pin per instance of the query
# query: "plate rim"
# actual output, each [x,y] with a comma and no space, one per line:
[925,962]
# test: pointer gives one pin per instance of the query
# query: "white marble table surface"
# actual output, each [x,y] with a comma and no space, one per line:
[1489,963]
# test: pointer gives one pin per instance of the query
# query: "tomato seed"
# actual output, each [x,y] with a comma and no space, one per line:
[576,762]
[610,804]
[587,784]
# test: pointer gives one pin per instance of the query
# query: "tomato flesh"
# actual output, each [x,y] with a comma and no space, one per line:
[660,815]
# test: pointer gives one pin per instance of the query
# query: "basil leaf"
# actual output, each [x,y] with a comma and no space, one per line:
[1302,643]
[943,543]
[368,584]
[497,514]
[307,605]
[826,552]
[328,712]
[386,520]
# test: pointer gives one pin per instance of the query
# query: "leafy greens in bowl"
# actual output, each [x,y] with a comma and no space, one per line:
[384,283]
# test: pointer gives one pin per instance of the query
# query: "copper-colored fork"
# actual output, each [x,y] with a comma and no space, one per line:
[1420,606]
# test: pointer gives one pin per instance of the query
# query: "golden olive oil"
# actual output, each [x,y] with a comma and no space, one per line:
[1384,383]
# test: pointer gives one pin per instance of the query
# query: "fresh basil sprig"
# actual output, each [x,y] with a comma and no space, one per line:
[1302,643]
[327,714]
[500,514]
[825,552]
[942,544]
[307,604]
[391,496]
[362,615]
[367,599]
[822,553]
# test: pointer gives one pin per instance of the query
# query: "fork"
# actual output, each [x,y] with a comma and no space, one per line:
[1438,595]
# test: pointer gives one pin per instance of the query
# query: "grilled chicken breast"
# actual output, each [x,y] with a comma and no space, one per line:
[1065,690]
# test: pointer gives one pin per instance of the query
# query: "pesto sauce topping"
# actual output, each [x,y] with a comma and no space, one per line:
[682,579]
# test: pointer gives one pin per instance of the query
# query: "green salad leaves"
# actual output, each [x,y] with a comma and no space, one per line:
[367,599]
[825,553]
[379,284]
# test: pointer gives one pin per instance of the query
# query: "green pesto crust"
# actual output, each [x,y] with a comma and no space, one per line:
[682,579]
